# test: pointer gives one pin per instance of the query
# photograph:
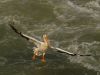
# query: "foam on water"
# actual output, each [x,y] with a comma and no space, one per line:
[67,10]
[4,1]
[3,61]
[91,62]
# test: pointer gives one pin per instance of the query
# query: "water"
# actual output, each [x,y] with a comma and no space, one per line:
[73,25]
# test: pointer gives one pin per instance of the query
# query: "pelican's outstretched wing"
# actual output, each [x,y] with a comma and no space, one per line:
[22,34]
[69,53]
[63,51]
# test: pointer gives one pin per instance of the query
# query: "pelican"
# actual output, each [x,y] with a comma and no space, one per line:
[42,46]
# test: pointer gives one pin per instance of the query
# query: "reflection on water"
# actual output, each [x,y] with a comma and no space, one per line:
[71,25]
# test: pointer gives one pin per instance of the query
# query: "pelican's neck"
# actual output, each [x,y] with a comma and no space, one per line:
[45,41]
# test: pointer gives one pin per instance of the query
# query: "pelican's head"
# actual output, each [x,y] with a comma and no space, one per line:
[45,38]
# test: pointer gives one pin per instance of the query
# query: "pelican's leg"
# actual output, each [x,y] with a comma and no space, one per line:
[43,58]
[34,57]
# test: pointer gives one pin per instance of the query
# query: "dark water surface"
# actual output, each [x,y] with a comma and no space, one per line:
[73,25]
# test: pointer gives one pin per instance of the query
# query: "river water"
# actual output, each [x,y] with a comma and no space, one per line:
[73,25]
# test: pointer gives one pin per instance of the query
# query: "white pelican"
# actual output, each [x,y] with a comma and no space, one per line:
[42,46]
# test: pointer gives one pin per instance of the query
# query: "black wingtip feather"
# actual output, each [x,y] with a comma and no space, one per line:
[11,24]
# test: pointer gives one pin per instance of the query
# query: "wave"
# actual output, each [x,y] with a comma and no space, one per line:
[92,48]
[5,1]
[3,61]
[66,10]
